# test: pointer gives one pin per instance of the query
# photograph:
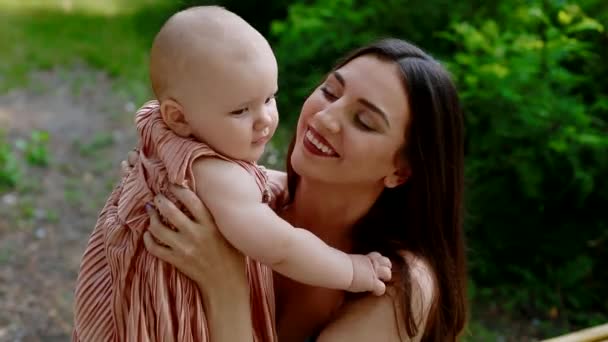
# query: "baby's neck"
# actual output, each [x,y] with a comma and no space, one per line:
[330,211]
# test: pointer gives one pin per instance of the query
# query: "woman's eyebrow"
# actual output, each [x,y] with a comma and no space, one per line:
[375,109]
[339,77]
[364,102]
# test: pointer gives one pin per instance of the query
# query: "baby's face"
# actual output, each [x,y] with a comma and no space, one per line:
[232,107]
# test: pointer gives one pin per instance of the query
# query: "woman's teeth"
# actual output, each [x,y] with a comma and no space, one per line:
[319,145]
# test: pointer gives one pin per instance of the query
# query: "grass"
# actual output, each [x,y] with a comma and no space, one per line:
[10,171]
[99,142]
[110,35]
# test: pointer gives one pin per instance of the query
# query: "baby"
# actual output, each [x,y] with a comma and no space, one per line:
[215,79]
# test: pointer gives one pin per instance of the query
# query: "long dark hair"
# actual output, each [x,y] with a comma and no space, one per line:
[424,216]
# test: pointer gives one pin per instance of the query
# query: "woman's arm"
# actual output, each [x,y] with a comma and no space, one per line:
[381,318]
[198,250]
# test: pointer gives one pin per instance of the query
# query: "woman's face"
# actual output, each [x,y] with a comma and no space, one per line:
[351,127]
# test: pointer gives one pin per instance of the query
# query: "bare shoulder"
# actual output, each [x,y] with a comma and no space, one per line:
[221,179]
[211,167]
[423,287]
[423,277]
[374,318]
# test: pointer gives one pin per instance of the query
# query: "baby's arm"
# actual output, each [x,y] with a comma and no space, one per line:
[234,199]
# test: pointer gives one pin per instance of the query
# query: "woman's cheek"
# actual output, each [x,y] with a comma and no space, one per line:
[309,108]
[314,103]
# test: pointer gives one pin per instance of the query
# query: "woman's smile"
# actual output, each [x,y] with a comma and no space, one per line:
[316,144]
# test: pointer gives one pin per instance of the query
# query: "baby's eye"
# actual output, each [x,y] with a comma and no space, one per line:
[238,111]
[273,97]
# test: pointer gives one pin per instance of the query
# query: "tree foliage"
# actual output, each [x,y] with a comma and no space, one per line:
[532,78]
[532,82]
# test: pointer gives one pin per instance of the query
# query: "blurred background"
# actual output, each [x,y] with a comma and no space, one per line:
[533,80]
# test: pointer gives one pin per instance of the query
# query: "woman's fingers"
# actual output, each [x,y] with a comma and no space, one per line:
[132,157]
[157,249]
[161,232]
[127,165]
[171,213]
[194,204]
[124,168]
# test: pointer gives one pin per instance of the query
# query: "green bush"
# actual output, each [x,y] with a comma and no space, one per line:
[36,149]
[536,153]
[534,92]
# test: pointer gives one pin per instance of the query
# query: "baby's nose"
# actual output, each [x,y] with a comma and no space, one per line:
[264,119]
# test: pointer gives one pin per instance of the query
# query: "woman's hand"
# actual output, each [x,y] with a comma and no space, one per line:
[127,165]
[199,251]
[196,247]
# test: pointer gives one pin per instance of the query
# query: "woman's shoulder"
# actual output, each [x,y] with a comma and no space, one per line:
[373,318]
[423,292]
[422,277]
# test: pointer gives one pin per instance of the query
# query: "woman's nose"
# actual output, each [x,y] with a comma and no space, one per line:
[328,120]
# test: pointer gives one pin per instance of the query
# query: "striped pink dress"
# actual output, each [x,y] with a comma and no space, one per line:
[123,293]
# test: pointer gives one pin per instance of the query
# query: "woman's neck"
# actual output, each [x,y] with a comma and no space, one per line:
[329,210]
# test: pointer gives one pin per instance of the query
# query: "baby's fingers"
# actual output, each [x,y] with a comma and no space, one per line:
[379,288]
[379,259]
[384,261]
[384,273]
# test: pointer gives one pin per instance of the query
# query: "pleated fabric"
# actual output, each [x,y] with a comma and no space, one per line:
[123,293]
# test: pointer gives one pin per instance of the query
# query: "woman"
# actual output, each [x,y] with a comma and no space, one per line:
[376,164]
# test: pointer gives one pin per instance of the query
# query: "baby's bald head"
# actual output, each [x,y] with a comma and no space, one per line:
[198,42]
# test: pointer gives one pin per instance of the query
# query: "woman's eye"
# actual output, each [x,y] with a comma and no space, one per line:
[328,94]
[362,124]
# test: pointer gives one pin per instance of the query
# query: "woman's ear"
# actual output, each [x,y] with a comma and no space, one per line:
[173,115]
[399,176]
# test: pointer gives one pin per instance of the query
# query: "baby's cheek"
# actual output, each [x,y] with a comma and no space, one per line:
[276,112]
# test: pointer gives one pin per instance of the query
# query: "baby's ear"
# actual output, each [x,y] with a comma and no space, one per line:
[173,115]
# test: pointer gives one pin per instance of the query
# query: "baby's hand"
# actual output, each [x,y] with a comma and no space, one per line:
[370,272]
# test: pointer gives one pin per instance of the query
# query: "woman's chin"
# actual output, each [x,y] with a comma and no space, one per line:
[299,162]
[305,167]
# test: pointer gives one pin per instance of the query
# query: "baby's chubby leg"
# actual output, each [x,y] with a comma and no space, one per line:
[370,272]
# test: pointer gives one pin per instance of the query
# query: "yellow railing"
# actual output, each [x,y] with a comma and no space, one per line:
[594,334]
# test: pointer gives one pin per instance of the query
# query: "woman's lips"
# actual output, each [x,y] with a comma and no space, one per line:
[316,144]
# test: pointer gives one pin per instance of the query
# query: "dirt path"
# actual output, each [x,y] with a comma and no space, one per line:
[44,226]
